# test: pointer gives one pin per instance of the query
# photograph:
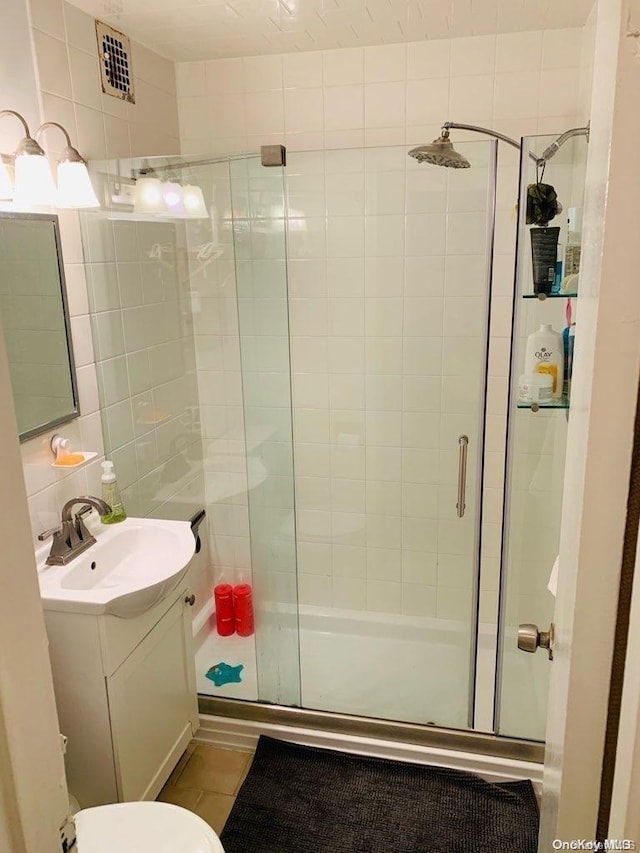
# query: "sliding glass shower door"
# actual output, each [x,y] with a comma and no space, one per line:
[389,277]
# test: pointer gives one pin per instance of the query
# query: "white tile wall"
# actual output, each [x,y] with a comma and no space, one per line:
[100,126]
[394,94]
[388,94]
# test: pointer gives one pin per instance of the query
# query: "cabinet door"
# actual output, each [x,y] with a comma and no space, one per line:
[153,706]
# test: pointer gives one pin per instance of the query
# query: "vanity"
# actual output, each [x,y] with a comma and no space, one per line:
[118,618]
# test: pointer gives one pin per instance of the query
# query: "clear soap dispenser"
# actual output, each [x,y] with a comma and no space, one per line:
[111,495]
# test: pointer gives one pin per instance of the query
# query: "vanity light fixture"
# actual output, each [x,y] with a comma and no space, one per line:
[167,196]
[33,182]
[173,198]
[147,197]
[6,184]
[194,204]
[75,189]
[33,185]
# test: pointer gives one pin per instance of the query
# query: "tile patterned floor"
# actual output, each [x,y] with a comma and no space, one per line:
[206,781]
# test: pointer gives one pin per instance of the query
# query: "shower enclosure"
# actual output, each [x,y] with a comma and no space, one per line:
[363,284]
[310,363]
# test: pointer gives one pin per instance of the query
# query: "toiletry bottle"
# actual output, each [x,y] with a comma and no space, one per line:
[568,336]
[557,281]
[545,354]
[111,495]
[573,248]
[544,248]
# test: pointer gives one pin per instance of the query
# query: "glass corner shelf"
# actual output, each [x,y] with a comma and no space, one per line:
[543,296]
[562,403]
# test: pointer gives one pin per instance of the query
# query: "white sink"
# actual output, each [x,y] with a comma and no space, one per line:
[132,566]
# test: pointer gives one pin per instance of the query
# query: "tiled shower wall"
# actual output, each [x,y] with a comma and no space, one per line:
[519,84]
[381,95]
[100,126]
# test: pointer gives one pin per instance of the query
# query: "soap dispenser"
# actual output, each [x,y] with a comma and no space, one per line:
[111,495]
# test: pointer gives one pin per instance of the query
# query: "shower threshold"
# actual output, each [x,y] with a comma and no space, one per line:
[277,718]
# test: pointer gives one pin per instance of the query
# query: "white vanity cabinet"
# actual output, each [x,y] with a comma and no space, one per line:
[126,696]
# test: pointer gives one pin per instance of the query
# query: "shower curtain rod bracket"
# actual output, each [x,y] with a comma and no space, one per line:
[273,155]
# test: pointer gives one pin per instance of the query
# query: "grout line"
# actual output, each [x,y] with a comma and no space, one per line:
[184,767]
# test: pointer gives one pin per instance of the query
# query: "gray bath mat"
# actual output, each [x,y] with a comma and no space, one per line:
[298,799]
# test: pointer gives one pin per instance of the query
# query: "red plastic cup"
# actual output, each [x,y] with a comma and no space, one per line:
[223,597]
[243,608]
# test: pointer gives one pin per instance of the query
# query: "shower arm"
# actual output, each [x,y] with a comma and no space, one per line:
[547,154]
[476,129]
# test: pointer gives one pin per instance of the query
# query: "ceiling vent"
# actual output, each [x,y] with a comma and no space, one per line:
[114,50]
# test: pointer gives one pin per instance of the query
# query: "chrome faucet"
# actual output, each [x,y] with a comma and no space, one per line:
[98,504]
[72,537]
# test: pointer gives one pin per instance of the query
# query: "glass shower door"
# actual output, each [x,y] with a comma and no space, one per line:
[257,196]
[389,268]
[236,265]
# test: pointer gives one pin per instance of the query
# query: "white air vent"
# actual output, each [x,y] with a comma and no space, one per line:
[114,50]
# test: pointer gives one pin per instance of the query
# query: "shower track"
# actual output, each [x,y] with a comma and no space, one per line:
[236,723]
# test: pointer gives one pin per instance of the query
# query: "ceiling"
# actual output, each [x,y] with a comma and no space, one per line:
[212,29]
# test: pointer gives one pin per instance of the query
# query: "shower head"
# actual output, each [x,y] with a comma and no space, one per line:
[440,152]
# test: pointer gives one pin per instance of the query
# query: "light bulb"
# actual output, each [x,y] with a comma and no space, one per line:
[194,205]
[148,196]
[34,186]
[74,186]
[173,198]
[6,184]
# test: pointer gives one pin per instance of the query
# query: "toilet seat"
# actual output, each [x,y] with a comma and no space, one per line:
[144,827]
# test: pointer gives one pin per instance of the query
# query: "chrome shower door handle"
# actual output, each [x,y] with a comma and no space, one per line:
[463,444]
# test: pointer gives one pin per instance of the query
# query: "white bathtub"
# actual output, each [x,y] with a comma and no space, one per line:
[370,664]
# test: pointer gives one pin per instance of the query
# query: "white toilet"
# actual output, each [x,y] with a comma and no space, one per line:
[144,827]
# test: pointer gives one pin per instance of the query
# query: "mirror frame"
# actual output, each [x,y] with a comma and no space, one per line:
[75,413]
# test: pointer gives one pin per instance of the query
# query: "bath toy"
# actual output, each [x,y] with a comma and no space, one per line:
[223,673]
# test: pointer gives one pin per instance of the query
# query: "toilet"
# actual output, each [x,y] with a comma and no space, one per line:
[144,827]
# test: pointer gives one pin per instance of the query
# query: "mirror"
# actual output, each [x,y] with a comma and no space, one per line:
[35,319]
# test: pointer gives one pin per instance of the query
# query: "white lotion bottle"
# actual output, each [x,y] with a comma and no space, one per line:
[545,354]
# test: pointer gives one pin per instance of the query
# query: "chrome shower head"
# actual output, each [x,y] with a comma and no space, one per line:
[440,152]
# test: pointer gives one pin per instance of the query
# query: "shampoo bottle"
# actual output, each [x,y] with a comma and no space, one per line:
[545,354]
[111,495]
